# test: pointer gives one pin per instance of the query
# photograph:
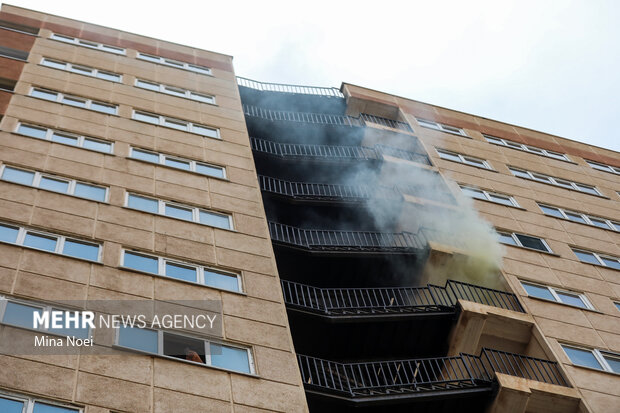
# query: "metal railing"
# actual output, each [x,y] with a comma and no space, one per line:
[344,240]
[364,301]
[316,191]
[526,367]
[381,378]
[323,118]
[284,88]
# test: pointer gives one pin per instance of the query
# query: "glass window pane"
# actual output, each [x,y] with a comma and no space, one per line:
[144,155]
[611,262]
[173,63]
[71,330]
[571,299]
[178,212]
[148,57]
[20,314]
[66,139]
[202,130]
[449,156]
[474,193]
[175,124]
[215,220]
[140,262]
[146,117]
[563,183]
[616,225]
[81,250]
[535,150]
[52,184]
[541,178]
[48,408]
[32,131]
[184,348]
[599,223]
[44,94]
[496,141]
[8,233]
[90,191]
[427,124]
[586,257]
[210,170]
[74,101]
[54,64]
[614,363]
[143,204]
[39,241]
[575,217]
[500,199]
[532,242]
[551,211]
[230,358]
[200,69]
[97,145]
[174,91]
[582,357]
[521,174]
[181,272]
[138,338]
[102,107]
[11,406]
[506,239]
[220,280]
[514,145]
[556,155]
[587,189]
[113,49]
[175,163]
[538,291]
[82,70]
[475,162]
[62,38]
[202,98]
[109,76]
[147,85]
[18,176]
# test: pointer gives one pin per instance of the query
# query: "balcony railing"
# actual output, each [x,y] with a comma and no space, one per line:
[337,302]
[284,88]
[393,378]
[322,118]
[336,240]
[523,366]
[317,191]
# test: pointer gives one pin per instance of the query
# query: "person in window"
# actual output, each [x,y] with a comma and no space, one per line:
[191,355]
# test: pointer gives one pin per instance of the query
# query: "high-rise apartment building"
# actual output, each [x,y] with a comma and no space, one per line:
[363,251]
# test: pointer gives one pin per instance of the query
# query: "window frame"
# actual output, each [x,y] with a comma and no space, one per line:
[495,140]
[603,167]
[192,67]
[487,195]
[30,402]
[70,67]
[200,270]
[556,298]
[162,88]
[60,241]
[161,210]
[162,157]
[597,256]
[587,218]
[599,355]
[72,183]
[49,132]
[463,159]
[121,51]
[442,127]
[163,120]
[88,103]
[518,243]
[207,348]
[536,176]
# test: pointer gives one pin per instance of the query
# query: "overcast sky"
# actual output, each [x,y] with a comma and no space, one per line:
[552,66]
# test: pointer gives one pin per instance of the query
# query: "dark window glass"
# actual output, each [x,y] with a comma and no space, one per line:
[532,242]
[138,338]
[184,348]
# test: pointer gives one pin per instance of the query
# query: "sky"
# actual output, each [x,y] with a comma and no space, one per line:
[552,66]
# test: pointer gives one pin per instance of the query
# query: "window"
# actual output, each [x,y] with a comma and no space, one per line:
[73,100]
[593,358]
[45,241]
[466,159]
[174,63]
[179,211]
[87,43]
[20,313]
[554,294]
[184,271]
[175,91]
[554,181]
[489,196]
[579,217]
[525,241]
[183,347]
[603,167]
[66,138]
[177,124]
[53,183]
[595,258]
[441,127]
[527,148]
[21,404]
[617,306]
[82,70]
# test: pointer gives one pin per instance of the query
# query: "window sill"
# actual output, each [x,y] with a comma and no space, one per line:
[6,56]
[176,96]
[179,219]
[89,48]
[178,169]
[467,164]
[597,265]
[450,133]
[560,187]
[18,31]
[497,203]
[66,144]
[594,369]
[120,82]
[580,223]
[532,153]
[55,192]
[120,267]
[219,138]
[176,67]
[531,249]
[564,304]
[73,106]
[51,252]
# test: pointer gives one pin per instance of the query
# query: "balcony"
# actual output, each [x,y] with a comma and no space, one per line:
[286,88]
[347,241]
